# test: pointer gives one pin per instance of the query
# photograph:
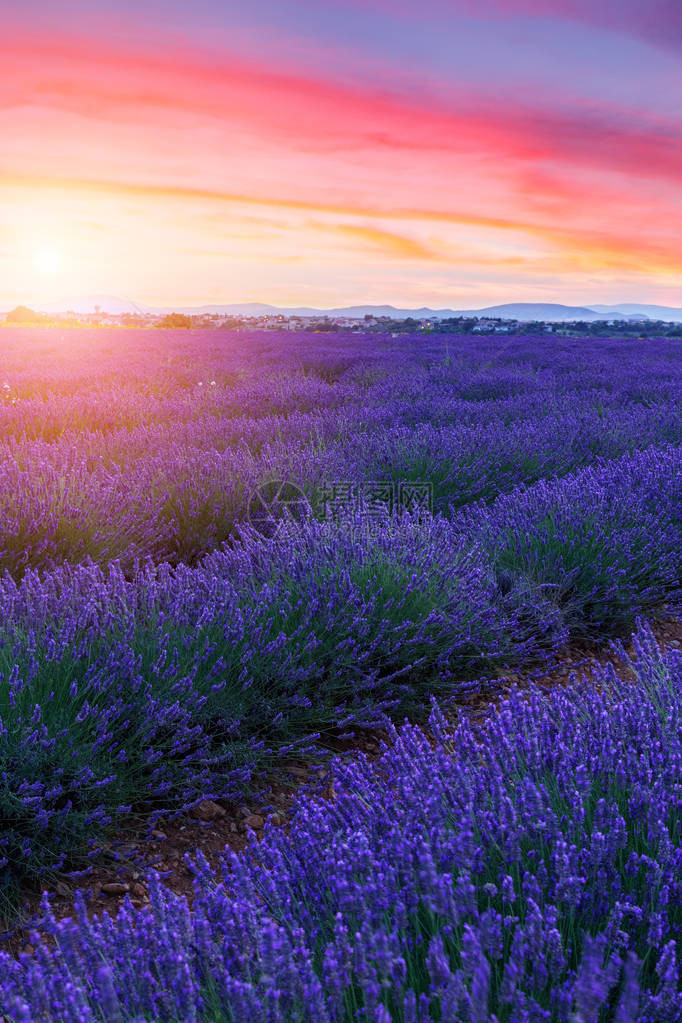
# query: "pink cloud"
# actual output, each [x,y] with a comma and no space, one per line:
[123,87]
[183,125]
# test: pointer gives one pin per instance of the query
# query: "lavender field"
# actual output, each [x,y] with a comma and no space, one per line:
[465,506]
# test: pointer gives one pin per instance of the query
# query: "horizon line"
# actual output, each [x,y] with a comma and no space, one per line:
[62,305]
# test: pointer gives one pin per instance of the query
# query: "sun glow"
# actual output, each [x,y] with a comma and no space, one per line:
[48,259]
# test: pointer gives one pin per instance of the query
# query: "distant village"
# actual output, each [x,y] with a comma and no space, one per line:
[631,327]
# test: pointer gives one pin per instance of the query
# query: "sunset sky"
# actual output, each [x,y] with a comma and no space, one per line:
[326,152]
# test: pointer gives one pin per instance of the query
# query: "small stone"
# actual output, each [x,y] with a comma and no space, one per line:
[276,819]
[675,642]
[138,890]
[254,820]
[62,890]
[159,834]
[114,888]
[207,810]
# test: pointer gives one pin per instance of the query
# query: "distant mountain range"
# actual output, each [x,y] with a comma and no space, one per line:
[526,311]
[522,311]
[654,312]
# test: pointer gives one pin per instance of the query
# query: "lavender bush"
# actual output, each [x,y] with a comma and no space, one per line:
[604,543]
[528,871]
[183,682]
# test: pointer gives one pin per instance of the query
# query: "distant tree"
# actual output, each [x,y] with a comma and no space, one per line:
[22,314]
[176,320]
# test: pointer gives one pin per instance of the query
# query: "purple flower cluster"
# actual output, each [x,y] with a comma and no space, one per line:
[530,870]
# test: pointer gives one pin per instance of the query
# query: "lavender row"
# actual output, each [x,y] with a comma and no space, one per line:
[126,444]
[184,683]
[600,543]
[180,682]
[37,361]
[177,491]
[540,882]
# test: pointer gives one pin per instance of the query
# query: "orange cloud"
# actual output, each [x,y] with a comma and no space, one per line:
[387,243]
[611,245]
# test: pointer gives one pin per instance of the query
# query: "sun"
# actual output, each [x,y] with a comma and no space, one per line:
[48,259]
